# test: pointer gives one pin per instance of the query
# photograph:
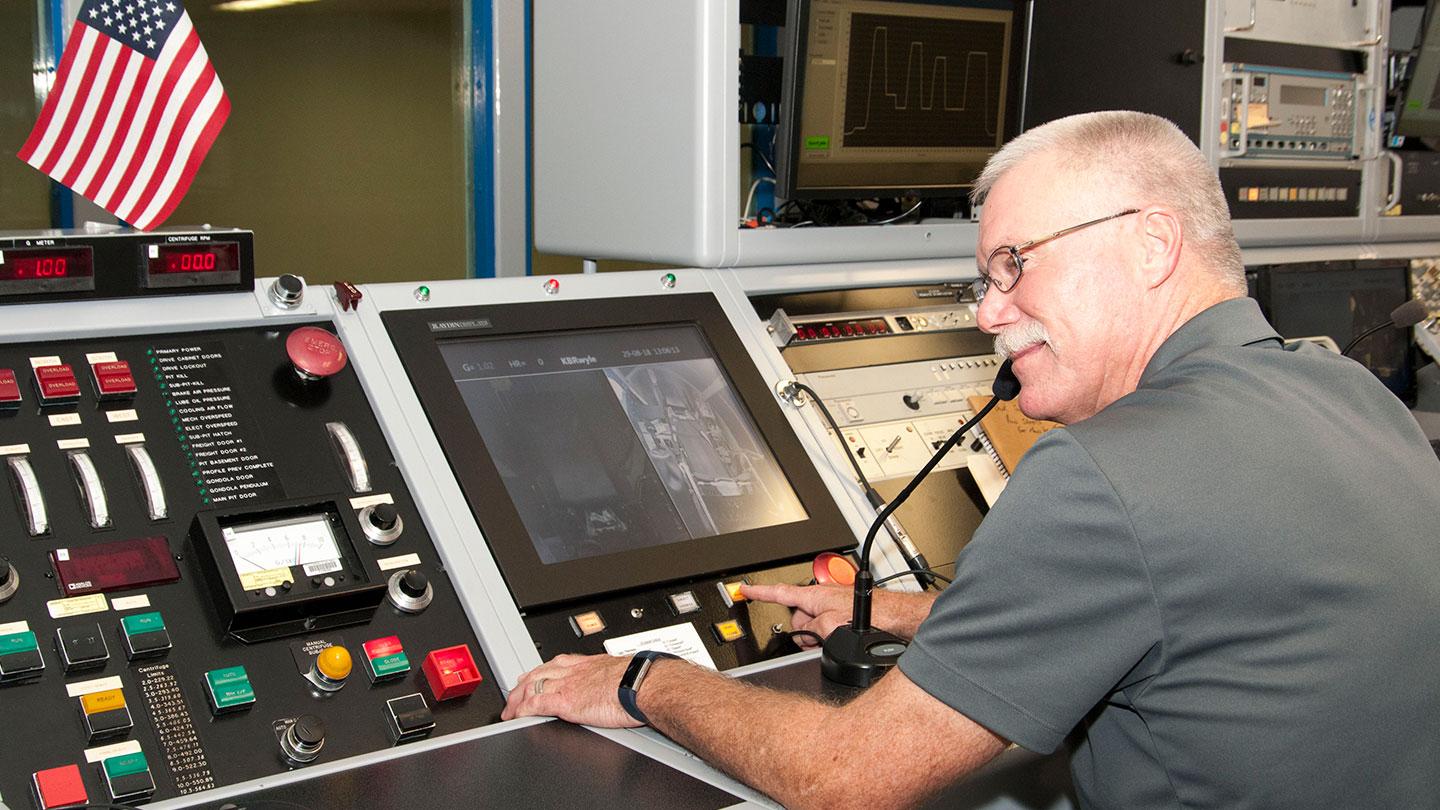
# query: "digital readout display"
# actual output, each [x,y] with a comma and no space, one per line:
[218,258]
[46,268]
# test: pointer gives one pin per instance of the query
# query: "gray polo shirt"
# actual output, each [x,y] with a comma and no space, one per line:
[1229,580]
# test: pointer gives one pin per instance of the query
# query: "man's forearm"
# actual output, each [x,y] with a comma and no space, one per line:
[779,747]
[901,612]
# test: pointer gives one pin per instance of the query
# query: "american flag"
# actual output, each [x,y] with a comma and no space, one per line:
[135,107]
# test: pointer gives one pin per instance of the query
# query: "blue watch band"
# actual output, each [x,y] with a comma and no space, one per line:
[634,676]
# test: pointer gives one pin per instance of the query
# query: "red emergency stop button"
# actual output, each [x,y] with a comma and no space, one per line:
[834,569]
[315,352]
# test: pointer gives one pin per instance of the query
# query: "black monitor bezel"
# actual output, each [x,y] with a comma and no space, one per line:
[1423,122]
[787,139]
[534,584]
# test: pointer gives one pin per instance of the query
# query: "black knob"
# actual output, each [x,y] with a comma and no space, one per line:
[309,730]
[5,571]
[911,401]
[290,284]
[384,516]
[1189,56]
[413,584]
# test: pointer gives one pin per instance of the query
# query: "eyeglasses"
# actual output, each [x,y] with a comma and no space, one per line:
[1005,264]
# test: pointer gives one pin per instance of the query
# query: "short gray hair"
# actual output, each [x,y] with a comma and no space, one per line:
[1149,155]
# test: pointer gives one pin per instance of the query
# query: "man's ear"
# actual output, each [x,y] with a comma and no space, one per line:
[1163,240]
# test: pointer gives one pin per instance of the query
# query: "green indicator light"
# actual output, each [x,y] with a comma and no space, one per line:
[817,142]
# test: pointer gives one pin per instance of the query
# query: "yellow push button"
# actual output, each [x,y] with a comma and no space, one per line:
[97,702]
[728,631]
[730,592]
[334,663]
[587,624]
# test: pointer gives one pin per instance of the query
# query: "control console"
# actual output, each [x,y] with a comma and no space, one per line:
[211,568]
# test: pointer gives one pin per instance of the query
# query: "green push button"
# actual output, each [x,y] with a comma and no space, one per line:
[229,688]
[143,623]
[387,665]
[21,642]
[125,765]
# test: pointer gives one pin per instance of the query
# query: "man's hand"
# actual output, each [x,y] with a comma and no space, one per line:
[822,608]
[577,688]
[818,608]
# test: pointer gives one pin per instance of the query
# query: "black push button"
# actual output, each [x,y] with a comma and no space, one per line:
[409,717]
[81,647]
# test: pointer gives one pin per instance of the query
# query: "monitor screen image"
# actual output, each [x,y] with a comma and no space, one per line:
[897,97]
[613,440]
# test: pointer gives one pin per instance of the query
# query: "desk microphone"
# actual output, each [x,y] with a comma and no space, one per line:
[1402,317]
[856,654]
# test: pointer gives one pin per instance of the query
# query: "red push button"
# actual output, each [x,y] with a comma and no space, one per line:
[315,352]
[9,388]
[58,787]
[113,380]
[833,569]
[451,672]
[57,383]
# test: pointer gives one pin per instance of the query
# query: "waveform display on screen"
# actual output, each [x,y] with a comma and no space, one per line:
[923,82]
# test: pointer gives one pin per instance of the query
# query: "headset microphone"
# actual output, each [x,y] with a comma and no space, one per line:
[856,654]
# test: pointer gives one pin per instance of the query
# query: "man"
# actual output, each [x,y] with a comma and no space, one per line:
[1223,571]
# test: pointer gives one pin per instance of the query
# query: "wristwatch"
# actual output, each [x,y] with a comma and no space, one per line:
[634,676]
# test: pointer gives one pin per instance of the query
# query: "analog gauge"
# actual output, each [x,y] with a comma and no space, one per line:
[307,540]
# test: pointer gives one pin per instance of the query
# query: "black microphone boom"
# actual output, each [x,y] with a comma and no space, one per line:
[856,654]
[1402,317]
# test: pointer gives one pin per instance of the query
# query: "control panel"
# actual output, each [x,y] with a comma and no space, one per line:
[895,417]
[211,568]
[897,395]
[1288,113]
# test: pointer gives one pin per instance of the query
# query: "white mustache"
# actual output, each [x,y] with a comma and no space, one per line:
[1018,338]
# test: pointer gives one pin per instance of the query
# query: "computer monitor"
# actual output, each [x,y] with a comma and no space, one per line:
[1341,300]
[885,98]
[614,444]
[1419,110]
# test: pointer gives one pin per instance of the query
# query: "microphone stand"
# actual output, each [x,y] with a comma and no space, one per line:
[857,654]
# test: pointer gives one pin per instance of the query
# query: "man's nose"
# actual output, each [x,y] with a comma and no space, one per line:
[997,311]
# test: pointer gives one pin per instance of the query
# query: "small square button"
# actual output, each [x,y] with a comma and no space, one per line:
[127,777]
[57,383]
[113,379]
[20,657]
[229,689]
[144,635]
[587,624]
[57,787]
[728,631]
[81,647]
[683,603]
[9,389]
[385,659]
[730,592]
[409,717]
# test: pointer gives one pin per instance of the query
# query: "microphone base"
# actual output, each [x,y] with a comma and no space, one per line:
[859,658]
